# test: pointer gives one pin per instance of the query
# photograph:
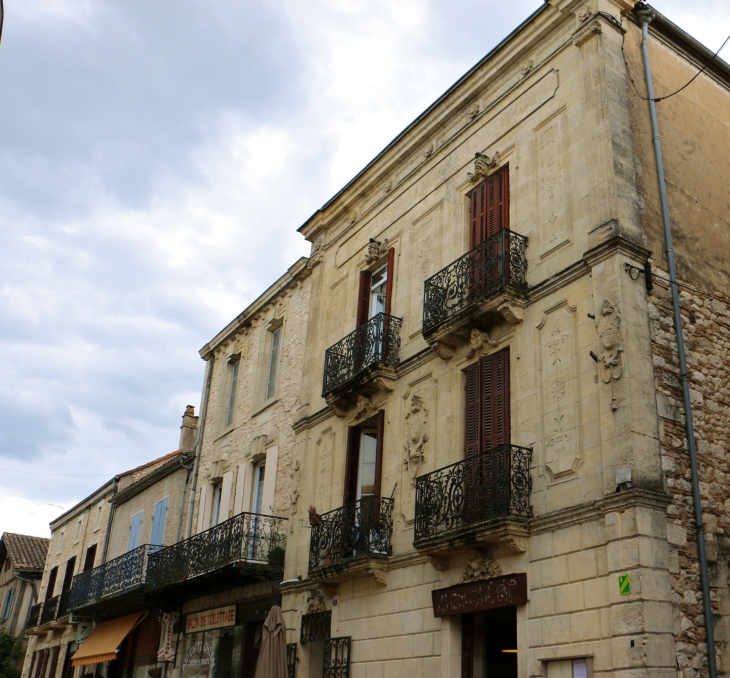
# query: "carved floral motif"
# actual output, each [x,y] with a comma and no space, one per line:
[416,436]
[480,567]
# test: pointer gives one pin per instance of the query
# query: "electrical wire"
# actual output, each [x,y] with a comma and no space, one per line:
[693,289]
[67,475]
[666,96]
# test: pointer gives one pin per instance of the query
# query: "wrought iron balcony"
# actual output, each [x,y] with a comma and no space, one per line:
[34,616]
[497,263]
[375,343]
[125,573]
[493,485]
[50,609]
[252,538]
[357,530]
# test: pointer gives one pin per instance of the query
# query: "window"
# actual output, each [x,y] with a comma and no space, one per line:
[8,605]
[51,582]
[69,574]
[581,667]
[60,540]
[489,207]
[90,558]
[489,643]
[135,527]
[97,520]
[378,285]
[217,496]
[273,367]
[258,487]
[231,388]
[77,534]
[159,517]
[375,291]
[364,459]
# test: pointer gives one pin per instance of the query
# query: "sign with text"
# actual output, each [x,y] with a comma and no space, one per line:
[166,651]
[480,595]
[210,619]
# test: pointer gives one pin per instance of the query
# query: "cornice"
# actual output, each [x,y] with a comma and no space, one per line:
[312,420]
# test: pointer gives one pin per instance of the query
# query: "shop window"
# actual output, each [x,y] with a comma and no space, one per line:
[213,654]
[489,644]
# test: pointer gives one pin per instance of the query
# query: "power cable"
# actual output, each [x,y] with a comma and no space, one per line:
[68,475]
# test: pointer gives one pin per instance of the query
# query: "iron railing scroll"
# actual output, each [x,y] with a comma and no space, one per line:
[291,660]
[248,537]
[113,577]
[362,528]
[494,484]
[375,342]
[34,616]
[50,608]
[337,658]
[496,263]
[316,626]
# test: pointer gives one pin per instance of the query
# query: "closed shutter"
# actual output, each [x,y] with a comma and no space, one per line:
[473,409]
[363,298]
[69,575]
[54,661]
[478,215]
[379,450]
[495,428]
[159,518]
[497,201]
[351,463]
[42,657]
[389,282]
[134,529]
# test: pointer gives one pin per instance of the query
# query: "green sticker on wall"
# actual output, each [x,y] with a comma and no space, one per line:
[624,584]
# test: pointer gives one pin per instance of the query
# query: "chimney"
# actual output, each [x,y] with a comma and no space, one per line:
[189,430]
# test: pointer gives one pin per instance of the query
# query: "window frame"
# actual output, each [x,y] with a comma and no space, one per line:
[273,362]
[8,605]
[232,378]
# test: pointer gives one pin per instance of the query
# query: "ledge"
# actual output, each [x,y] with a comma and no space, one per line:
[372,565]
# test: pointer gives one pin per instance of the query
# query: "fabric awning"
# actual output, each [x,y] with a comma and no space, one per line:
[102,644]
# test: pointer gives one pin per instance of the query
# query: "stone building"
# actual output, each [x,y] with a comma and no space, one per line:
[22,558]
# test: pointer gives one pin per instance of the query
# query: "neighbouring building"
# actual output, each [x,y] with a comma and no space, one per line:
[22,559]
[452,441]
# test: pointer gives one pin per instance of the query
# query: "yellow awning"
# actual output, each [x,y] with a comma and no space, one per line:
[101,645]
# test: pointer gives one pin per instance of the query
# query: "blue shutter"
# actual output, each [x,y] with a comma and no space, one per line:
[158,522]
[8,604]
[134,530]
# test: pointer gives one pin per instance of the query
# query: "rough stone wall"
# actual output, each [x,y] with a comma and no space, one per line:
[706,322]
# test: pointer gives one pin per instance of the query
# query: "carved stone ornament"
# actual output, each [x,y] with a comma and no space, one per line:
[416,436]
[388,186]
[352,217]
[364,407]
[586,33]
[316,602]
[480,567]
[478,340]
[296,476]
[376,250]
[443,351]
[472,112]
[330,590]
[584,13]
[526,66]
[610,364]
[482,164]
[379,575]
[428,152]
[439,563]
[316,255]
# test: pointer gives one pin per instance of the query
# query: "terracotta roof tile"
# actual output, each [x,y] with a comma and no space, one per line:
[25,551]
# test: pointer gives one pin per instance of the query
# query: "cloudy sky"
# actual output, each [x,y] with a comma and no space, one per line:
[155,163]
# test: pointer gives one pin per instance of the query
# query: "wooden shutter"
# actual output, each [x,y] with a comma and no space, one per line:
[379,450]
[90,558]
[477,214]
[32,658]
[54,661]
[390,281]
[351,461]
[473,408]
[51,582]
[363,298]
[495,419]
[43,655]
[497,186]
[69,574]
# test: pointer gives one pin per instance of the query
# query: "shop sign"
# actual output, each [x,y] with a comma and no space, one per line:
[166,651]
[480,595]
[83,631]
[210,619]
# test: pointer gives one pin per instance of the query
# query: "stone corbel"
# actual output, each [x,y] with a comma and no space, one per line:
[512,313]
[586,33]
[443,350]
[384,384]
[439,563]
[339,410]
[379,575]
[514,543]
[477,341]
[482,164]
[329,590]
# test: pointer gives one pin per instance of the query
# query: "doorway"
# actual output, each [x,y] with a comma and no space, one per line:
[489,644]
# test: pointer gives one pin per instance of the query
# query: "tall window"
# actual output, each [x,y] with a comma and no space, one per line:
[375,291]
[69,574]
[135,527]
[60,540]
[273,368]
[364,459]
[489,207]
[8,605]
[97,519]
[77,535]
[367,463]
[217,497]
[378,287]
[90,558]
[232,383]
[51,582]
[159,517]
[258,487]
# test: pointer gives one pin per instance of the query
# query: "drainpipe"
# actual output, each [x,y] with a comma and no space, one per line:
[198,447]
[645,16]
[109,520]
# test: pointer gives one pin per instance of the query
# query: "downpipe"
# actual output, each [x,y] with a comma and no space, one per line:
[199,446]
[645,16]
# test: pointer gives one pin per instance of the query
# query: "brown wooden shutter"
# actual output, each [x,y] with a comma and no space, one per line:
[363,298]
[379,450]
[51,582]
[32,658]
[43,655]
[478,215]
[495,420]
[351,463]
[69,574]
[497,186]
[390,281]
[473,409]
[54,661]
[90,558]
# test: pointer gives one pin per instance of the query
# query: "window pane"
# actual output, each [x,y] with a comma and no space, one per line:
[368,452]
[259,488]
[233,386]
[273,363]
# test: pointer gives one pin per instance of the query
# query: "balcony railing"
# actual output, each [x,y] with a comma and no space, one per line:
[34,616]
[359,529]
[491,485]
[249,537]
[375,342]
[50,608]
[113,577]
[496,263]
